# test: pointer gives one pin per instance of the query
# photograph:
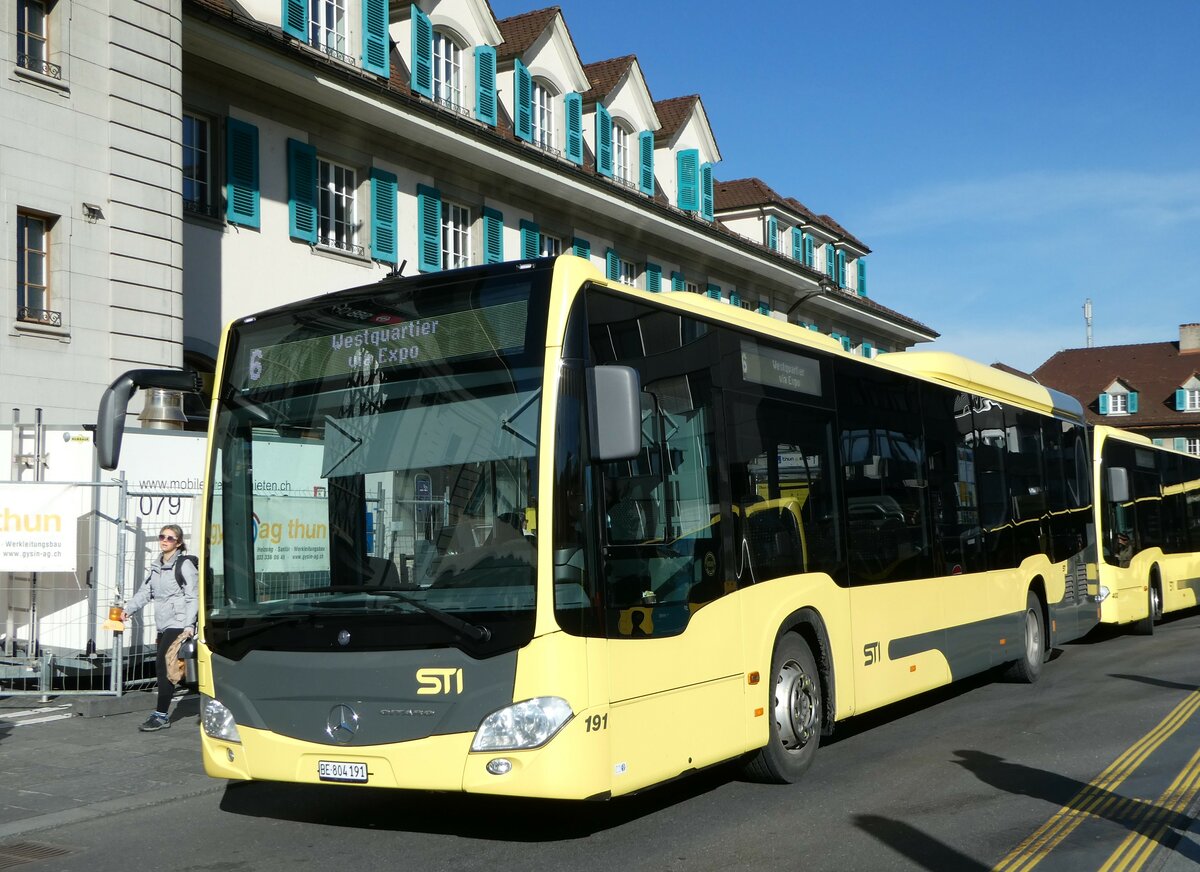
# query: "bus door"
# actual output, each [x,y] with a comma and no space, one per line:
[676,682]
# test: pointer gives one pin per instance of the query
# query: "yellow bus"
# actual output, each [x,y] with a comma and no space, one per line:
[1148,524]
[557,537]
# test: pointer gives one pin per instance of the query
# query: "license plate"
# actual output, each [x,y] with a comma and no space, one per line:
[333,770]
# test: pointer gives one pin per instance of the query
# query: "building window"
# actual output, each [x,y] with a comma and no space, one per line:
[549,246]
[197,165]
[543,115]
[33,38]
[1118,404]
[1193,445]
[1191,400]
[33,261]
[691,287]
[621,159]
[337,217]
[447,71]
[627,273]
[327,28]
[456,236]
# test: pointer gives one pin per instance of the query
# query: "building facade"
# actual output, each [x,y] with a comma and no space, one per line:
[209,159]
[1152,389]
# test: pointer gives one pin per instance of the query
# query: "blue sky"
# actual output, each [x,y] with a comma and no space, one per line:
[1003,161]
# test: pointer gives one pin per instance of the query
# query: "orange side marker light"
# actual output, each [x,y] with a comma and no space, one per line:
[758,712]
[753,678]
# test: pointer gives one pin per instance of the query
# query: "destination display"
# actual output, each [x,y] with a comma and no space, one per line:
[780,369]
[385,341]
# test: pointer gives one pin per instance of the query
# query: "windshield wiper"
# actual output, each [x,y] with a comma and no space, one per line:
[474,632]
[268,622]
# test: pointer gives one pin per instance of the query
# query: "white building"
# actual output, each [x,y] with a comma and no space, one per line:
[210,159]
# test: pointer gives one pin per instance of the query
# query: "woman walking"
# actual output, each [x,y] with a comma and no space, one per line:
[175,610]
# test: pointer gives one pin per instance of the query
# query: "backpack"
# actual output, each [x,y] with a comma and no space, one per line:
[191,558]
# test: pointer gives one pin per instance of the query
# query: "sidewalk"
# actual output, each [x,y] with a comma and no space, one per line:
[58,770]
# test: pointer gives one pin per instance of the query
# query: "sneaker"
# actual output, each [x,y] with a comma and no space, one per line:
[155,722]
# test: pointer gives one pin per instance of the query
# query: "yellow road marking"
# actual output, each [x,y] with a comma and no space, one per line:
[1155,820]
[1097,799]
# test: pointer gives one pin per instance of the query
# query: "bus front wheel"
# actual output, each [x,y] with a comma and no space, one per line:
[1154,609]
[795,710]
[1033,653]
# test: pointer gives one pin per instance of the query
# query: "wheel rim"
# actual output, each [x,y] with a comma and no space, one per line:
[796,703]
[1033,637]
[1155,603]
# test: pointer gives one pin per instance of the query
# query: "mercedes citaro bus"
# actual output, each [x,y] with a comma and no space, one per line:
[521,530]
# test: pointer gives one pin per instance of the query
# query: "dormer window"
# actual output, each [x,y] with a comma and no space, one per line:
[1187,396]
[447,71]
[327,28]
[1118,399]
[622,170]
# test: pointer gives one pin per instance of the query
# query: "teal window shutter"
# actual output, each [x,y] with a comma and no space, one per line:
[810,256]
[677,281]
[1102,402]
[714,291]
[493,235]
[302,191]
[1157,441]
[814,327]
[706,191]
[772,233]
[582,247]
[429,229]
[830,260]
[687,171]
[529,240]
[646,155]
[797,244]
[604,153]
[612,265]
[763,308]
[653,278]
[1180,400]
[846,343]
[735,299]
[241,174]
[295,19]
[862,277]
[867,348]
[485,84]
[422,53]
[383,216]
[375,38]
[1132,405]
[574,107]
[841,269]
[1180,443]
[523,84]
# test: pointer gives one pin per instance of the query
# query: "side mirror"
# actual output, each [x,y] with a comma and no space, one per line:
[615,412]
[114,404]
[1118,484]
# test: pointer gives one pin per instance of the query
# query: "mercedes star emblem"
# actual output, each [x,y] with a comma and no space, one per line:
[342,724]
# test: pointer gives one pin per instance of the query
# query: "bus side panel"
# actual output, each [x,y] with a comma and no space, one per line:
[1181,581]
[677,702]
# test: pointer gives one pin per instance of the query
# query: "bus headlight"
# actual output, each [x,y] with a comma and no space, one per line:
[522,725]
[1103,593]
[218,721]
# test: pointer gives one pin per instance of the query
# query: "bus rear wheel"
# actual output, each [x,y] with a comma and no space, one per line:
[796,708]
[1033,655]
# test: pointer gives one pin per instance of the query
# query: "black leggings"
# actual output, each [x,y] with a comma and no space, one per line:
[166,689]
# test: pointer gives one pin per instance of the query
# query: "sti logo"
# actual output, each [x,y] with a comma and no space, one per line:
[439,681]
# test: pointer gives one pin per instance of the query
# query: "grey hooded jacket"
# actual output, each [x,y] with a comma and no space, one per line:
[174,608]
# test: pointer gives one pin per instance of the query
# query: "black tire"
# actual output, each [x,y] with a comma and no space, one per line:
[1154,609]
[1033,650]
[795,707]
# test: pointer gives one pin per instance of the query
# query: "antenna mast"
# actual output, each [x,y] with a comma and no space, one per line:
[1087,319]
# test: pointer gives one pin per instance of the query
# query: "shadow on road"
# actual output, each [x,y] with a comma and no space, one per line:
[1156,682]
[923,850]
[471,817]
[1156,822]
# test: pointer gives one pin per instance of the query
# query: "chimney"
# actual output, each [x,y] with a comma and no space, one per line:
[1189,338]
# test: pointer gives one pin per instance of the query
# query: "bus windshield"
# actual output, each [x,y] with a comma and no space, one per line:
[375,459]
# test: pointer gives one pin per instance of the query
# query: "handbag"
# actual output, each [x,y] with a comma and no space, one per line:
[175,665]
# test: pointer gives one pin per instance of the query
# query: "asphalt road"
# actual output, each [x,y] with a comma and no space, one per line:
[955,780]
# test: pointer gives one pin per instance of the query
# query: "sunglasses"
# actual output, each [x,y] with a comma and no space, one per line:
[163,537]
